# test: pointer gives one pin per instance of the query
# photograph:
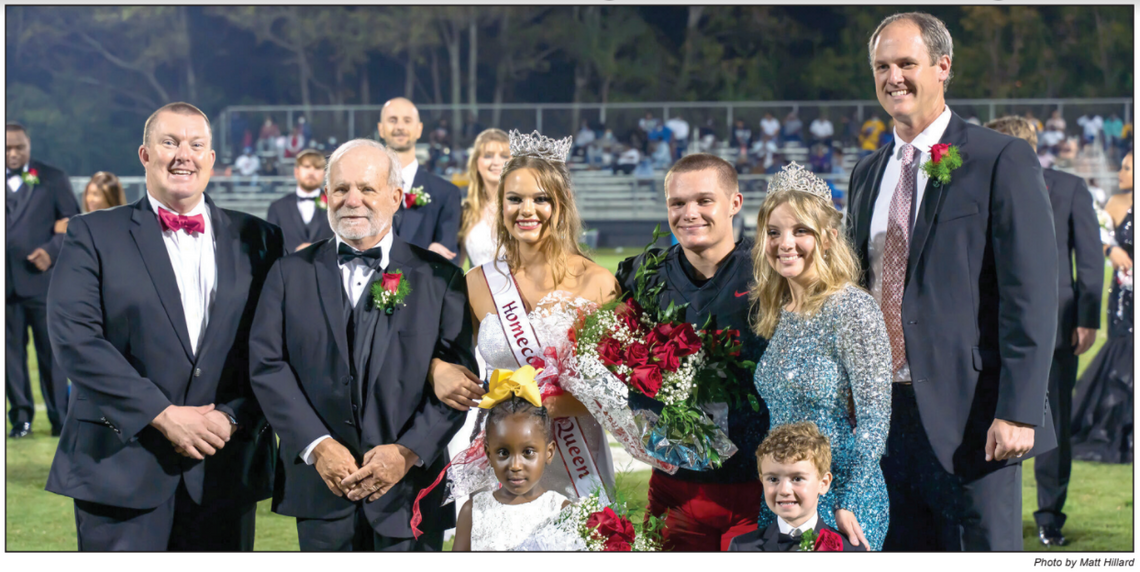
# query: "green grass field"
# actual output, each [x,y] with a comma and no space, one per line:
[1100,504]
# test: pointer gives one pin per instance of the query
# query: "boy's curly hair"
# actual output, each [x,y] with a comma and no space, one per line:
[797,442]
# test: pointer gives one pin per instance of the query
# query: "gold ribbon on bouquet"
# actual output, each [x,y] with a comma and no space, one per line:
[505,383]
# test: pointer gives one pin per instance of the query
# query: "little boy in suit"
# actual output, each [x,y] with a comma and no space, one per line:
[794,464]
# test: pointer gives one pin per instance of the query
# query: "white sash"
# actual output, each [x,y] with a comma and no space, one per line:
[569,439]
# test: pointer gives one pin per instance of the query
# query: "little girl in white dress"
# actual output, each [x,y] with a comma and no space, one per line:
[519,445]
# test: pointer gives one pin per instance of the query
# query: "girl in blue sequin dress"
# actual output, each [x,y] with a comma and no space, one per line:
[828,358]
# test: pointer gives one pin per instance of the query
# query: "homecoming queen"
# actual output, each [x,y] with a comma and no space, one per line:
[828,358]
[526,300]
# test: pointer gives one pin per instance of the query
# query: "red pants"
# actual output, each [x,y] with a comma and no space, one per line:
[703,517]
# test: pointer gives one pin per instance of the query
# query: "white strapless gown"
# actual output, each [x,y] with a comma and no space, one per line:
[552,319]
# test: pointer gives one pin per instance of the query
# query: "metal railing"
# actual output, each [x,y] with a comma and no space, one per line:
[343,122]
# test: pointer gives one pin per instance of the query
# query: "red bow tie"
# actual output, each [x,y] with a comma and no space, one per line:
[176,222]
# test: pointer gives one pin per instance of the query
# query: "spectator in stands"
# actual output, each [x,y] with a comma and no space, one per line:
[822,130]
[1091,125]
[1055,122]
[774,163]
[820,158]
[769,127]
[628,160]
[439,141]
[1112,129]
[849,131]
[248,165]
[869,135]
[471,129]
[239,132]
[306,129]
[1035,122]
[741,136]
[1051,139]
[296,142]
[662,155]
[793,130]
[1126,137]
[267,137]
[680,129]
[706,136]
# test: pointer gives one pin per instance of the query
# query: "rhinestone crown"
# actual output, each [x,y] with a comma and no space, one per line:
[794,177]
[538,145]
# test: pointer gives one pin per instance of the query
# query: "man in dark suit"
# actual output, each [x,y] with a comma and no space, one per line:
[342,372]
[434,225]
[1078,237]
[37,196]
[969,300]
[300,214]
[164,446]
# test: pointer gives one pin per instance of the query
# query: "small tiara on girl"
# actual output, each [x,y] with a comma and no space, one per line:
[540,146]
[793,177]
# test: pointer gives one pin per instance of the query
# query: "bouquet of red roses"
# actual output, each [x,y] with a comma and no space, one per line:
[608,528]
[657,355]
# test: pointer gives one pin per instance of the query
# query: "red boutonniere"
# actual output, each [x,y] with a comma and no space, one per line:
[323,202]
[944,158]
[416,197]
[30,177]
[390,292]
[828,541]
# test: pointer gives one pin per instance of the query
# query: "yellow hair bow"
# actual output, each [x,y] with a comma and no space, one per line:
[505,383]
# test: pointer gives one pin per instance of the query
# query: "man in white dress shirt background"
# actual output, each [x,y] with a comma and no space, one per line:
[163,446]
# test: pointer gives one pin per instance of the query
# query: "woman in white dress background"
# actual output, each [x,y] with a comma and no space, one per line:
[477,226]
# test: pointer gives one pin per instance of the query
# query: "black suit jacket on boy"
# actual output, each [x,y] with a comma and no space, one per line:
[31,225]
[284,213]
[118,330]
[1078,236]
[767,540]
[437,221]
[979,304]
[303,378]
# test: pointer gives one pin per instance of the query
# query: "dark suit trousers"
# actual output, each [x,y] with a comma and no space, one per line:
[933,510]
[353,533]
[1053,468]
[179,525]
[22,313]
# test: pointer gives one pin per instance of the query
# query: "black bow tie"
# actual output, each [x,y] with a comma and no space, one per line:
[14,173]
[314,198]
[372,256]
[787,542]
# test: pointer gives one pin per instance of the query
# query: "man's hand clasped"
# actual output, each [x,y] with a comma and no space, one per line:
[195,432]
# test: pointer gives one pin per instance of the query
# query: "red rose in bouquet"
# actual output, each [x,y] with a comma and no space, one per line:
[661,334]
[629,313]
[610,351]
[613,545]
[686,340]
[828,541]
[646,379]
[666,356]
[636,355]
[615,529]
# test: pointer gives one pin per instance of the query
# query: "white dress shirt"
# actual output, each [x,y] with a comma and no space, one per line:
[307,208]
[922,143]
[408,174]
[15,181]
[786,528]
[354,277]
[195,271]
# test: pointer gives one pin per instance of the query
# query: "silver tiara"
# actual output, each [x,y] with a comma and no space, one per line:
[794,177]
[538,145]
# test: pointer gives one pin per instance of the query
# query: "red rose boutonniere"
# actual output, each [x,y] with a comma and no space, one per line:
[30,177]
[416,197]
[944,158]
[824,541]
[390,292]
[323,202]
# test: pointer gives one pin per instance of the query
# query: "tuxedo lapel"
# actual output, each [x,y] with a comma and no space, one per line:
[148,238]
[955,135]
[295,216]
[769,540]
[401,258]
[23,199]
[331,292]
[224,310]
[866,207]
[408,220]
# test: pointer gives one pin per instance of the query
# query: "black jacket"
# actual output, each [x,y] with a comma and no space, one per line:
[767,540]
[437,221]
[1078,235]
[32,225]
[284,213]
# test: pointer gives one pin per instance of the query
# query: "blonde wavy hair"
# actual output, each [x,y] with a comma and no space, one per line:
[477,197]
[837,268]
[562,231]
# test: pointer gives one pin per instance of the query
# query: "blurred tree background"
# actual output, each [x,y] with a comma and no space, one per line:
[83,79]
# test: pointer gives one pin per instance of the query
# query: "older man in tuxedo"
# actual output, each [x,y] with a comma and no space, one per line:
[432,225]
[300,214]
[164,446]
[37,195]
[341,369]
[969,298]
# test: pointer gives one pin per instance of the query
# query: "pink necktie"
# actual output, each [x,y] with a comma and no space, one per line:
[895,254]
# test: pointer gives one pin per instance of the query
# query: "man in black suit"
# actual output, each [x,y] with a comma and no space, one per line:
[164,446]
[1078,237]
[300,214]
[435,225]
[37,196]
[969,300]
[342,376]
